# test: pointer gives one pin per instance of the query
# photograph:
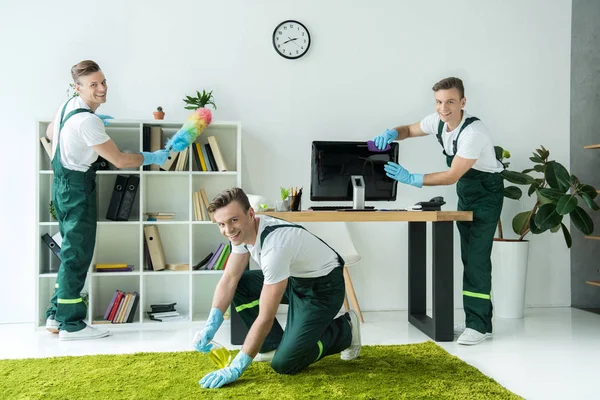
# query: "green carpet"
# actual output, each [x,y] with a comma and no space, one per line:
[417,371]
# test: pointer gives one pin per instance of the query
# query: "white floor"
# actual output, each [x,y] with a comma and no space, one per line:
[553,353]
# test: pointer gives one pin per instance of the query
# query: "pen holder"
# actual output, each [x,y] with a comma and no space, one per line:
[295,202]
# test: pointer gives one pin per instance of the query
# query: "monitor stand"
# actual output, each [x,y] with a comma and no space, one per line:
[358,192]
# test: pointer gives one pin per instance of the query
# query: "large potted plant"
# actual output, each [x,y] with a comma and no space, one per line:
[557,195]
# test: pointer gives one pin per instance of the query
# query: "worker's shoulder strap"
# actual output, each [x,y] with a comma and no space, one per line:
[64,119]
[268,229]
[467,122]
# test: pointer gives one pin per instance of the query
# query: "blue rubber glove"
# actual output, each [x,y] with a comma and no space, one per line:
[105,119]
[385,138]
[203,338]
[228,374]
[158,157]
[397,172]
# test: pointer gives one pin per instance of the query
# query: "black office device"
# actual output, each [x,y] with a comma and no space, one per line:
[434,204]
[335,167]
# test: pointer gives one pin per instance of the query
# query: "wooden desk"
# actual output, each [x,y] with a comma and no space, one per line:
[440,327]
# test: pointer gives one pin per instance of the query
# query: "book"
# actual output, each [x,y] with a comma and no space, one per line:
[47,145]
[216,150]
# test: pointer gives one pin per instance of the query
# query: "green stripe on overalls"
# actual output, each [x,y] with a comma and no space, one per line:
[69,301]
[320,350]
[247,305]
[478,295]
[483,194]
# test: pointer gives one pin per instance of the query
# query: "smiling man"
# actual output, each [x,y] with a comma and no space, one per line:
[296,268]
[473,166]
[78,137]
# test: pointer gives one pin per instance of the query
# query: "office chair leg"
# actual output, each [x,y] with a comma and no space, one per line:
[352,294]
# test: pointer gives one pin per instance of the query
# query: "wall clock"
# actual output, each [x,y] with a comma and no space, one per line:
[291,39]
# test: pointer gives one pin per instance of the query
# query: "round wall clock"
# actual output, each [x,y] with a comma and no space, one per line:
[291,39]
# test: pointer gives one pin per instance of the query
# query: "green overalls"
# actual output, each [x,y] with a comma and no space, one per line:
[311,332]
[74,198]
[483,194]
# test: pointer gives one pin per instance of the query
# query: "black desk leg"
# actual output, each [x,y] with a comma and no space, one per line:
[440,327]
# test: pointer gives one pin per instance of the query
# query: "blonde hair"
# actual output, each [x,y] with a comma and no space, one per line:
[83,68]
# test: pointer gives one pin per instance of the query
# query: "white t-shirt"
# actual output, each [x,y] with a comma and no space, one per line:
[474,143]
[289,252]
[79,133]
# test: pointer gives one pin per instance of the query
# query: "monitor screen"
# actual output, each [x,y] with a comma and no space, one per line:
[333,163]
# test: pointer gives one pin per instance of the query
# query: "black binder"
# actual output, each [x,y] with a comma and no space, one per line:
[101,164]
[115,199]
[128,199]
[52,245]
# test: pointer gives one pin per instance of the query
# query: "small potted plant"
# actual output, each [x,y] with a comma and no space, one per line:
[159,114]
[284,203]
[200,101]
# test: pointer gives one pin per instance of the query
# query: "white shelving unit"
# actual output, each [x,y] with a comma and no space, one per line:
[184,240]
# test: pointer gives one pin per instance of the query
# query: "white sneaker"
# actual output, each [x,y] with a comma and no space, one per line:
[471,337]
[460,328]
[265,357]
[352,352]
[85,334]
[52,324]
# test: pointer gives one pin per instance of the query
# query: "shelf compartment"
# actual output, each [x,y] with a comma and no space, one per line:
[158,288]
[205,240]
[48,261]
[117,244]
[105,286]
[167,192]
[104,189]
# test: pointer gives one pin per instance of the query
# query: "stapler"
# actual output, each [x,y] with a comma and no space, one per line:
[434,204]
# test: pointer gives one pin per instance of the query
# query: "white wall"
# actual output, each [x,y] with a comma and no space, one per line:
[370,67]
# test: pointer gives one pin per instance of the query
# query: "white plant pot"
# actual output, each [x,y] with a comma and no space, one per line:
[509,277]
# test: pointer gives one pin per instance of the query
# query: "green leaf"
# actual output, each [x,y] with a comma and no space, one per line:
[590,191]
[555,229]
[513,192]
[557,176]
[528,170]
[567,235]
[532,188]
[519,222]
[582,221]
[517,177]
[190,107]
[589,201]
[546,195]
[566,204]
[540,168]
[536,230]
[547,217]
[536,159]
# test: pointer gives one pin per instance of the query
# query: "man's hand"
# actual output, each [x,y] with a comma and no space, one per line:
[202,339]
[105,119]
[228,374]
[397,172]
[385,138]
[158,157]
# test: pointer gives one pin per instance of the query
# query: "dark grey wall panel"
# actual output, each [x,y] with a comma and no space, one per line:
[585,130]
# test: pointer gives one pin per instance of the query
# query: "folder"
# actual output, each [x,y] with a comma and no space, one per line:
[115,199]
[52,245]
[155,143]
[155,247]
[211,158]
[136,300]
[101,164]
[128,199]
[170,161]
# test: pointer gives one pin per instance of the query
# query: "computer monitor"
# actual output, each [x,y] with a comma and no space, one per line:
[334,163]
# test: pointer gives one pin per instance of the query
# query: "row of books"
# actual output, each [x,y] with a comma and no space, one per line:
[200,203]
[164,312]
[114,267]
[208,156]
[216,260]
[122,307]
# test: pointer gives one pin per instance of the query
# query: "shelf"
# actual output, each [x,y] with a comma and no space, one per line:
[595,283]
[204,173]
[49,275]
[130,273]
[593,146]
[165,272]
[207,272]
[592,237]
[48,223]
